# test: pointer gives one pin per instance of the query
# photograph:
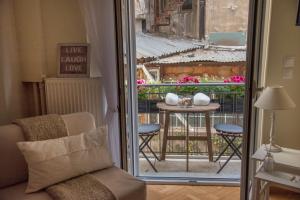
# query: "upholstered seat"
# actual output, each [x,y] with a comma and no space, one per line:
[13,168]
[123,185]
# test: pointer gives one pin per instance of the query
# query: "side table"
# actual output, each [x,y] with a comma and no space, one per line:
[286,172]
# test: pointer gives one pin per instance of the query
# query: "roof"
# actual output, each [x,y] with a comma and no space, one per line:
[152,46]
[205,55]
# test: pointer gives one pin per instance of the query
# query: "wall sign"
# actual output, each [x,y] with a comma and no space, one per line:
[73,60]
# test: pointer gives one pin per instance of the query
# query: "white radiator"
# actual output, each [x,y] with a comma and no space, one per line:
[69,95]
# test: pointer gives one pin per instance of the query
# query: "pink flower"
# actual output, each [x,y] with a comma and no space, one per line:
[188,79]
[140,81]
[235,79]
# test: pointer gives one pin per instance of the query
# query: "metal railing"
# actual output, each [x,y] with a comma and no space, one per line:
[229,95]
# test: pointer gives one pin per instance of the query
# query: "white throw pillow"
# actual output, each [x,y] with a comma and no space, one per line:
[55,160]
[201,99]
[172,99]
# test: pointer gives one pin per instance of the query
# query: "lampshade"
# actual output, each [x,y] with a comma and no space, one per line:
[274,98]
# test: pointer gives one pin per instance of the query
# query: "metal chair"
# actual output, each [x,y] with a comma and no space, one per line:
[229,132]
[146,133]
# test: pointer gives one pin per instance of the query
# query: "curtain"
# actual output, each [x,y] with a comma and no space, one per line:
[100,27]
[11,88]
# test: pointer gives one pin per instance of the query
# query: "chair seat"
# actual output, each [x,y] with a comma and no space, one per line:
[228,128]
[145,129]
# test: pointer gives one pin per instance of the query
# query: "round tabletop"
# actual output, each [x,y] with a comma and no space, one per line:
[191,109]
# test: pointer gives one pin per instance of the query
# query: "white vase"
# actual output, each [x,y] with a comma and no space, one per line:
[201,99]
[269,163]
[172,99]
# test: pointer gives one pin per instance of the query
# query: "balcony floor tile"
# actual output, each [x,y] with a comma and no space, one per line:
[198,168]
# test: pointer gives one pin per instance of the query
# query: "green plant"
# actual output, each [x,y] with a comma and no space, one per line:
[158,92]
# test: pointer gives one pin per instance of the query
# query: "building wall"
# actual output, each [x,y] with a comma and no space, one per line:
[220,16]
[284,41]
[219,72]
[226,15]
[183,22]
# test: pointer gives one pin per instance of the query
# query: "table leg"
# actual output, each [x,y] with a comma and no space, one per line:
[187,142]
[267,192]
[255,189]
[165,136]
[208,131]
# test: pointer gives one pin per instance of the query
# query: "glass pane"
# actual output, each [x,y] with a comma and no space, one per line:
[185,48]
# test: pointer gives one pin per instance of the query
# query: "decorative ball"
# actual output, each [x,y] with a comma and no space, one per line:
[201,99]
[172,99]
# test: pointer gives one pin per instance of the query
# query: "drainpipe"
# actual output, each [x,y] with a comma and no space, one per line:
[202,5]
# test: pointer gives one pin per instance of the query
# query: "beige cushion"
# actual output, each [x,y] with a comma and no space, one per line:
[77,123]
[13,168]
[123,185]
[56,160]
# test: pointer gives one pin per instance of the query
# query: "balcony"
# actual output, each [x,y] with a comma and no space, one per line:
[230,96]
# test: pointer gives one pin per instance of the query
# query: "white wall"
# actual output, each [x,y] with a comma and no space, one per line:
[29,33]
[41,25]
[284,41]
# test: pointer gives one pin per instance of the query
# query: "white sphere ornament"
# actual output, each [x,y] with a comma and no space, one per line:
[201,99]
[172,99]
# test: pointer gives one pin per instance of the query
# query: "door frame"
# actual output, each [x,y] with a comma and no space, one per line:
[255,25]
[128,123]
[258,30]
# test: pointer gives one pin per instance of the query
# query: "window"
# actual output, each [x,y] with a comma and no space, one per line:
[187,5]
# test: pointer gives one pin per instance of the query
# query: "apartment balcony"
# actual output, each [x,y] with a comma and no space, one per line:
[230,96]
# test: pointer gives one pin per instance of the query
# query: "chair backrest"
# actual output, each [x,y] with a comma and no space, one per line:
[13,168]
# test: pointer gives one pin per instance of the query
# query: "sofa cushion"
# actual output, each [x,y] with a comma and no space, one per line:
[13,168]
[55,160]
[123,185]
[77,123]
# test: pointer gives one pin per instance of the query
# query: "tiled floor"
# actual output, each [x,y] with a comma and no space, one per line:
[198,168]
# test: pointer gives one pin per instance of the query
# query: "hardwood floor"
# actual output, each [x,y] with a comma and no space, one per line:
[182,192]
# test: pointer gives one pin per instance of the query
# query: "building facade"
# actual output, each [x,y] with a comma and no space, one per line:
[196,19]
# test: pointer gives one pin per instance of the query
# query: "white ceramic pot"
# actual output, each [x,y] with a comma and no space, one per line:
[201,99]
[172,99]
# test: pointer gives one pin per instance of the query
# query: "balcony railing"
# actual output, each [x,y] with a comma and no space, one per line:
[229,95]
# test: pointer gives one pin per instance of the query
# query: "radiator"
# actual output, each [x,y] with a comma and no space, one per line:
[69,95]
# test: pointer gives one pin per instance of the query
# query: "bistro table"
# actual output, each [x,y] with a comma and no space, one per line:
[189,109]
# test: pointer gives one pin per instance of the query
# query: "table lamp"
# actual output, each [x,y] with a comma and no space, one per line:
[274,98]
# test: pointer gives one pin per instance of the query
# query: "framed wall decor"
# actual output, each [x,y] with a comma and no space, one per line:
[73,60]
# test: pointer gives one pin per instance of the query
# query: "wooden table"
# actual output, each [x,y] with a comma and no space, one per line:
[287,165]
[191,109]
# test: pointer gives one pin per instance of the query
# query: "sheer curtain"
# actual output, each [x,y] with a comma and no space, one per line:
[100,26]
[11,88]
